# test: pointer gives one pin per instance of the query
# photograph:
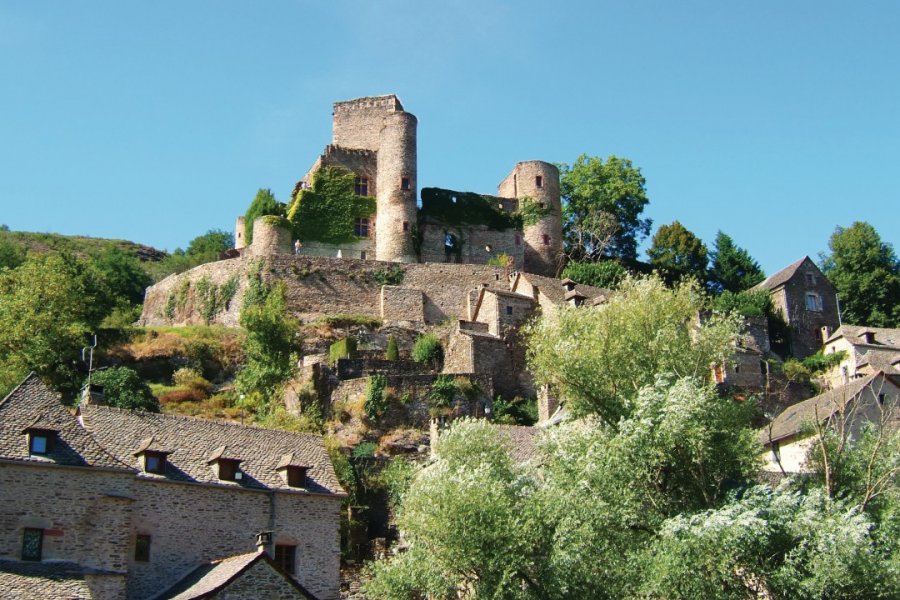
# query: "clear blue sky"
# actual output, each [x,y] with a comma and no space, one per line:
[155,121]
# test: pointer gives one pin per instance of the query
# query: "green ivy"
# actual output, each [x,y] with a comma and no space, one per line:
[169,310]
[442,392]
[228,290]
[181,294]
[389,276]
[376,401]
[530,212]
[467,208]
[327,210]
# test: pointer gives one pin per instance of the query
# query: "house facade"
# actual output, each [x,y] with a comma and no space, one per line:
[867,349]
[132,502]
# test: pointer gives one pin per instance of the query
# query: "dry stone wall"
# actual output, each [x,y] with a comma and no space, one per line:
[479,244]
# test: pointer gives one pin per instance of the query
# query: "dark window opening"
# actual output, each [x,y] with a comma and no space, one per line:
[546,239]
[540,205]
[763,367]
[362,254]
[405,225]
[509,310]
[404,183]
[228,469]
[32,544]
[296,477]
[285,557]
[538,181]
[881,398]
[518,241]
[142,548]
[361,187]
[361,227]
[737,368]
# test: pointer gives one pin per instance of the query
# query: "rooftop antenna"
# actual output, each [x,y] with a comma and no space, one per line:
[87,355]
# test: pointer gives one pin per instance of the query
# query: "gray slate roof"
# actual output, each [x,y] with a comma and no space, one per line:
[25,580]
[32,403]
[553,288]
[210,578]
[193,441]
[521,441]
[884,337]
[781,277]
[796,418]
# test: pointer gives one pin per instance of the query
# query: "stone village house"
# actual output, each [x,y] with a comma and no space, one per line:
[868,349]
[117,504]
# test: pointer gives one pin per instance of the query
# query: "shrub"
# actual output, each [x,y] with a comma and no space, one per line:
[345,321]
[123,388]
[192,379]
[442,392]
[607,274]
[345,348]
[392,352]
[308,421]
[389,276]
[365,450]
[181,396]
[428,351]
[747,304]
[376,399]
[518,411]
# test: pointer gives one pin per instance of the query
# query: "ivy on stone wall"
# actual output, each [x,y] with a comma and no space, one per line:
[467,208]
[327,210]
[530,211]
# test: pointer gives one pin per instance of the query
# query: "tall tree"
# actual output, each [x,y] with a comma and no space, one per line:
[210,244]
[677,253]
[866,273]
[731,267]
[603,202]
[264,203]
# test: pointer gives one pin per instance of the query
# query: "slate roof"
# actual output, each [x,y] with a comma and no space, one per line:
[521,441]
[207,580]
[783,276]
[553,288]
[192,441]
[884,337]
[796,418]
[32,403]
[25,580]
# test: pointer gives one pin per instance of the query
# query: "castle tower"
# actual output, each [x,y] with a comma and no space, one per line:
[239,242]
[538,182]
[396,188]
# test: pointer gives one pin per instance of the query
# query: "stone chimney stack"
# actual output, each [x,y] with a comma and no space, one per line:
[93,394]
[263,542]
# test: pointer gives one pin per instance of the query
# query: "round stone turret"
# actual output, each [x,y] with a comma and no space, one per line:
[271,236]
[396,186]
[537,182]
[239,242]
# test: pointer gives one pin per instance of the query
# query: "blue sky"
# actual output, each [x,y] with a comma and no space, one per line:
[772,121]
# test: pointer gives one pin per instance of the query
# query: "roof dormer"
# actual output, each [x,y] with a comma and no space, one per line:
[868,336]
[227,468]
[40,437]
[575,298]
[152,457]
[568,284]
[292,470]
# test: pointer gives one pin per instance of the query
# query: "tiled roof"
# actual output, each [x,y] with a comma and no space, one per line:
[521,441]
[192,442]
[210,578]
[32,403]
[782,276]
[553,288]
[796,418]
[884,337]
[25,580]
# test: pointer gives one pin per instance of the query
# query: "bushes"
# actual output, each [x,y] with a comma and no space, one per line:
[123,388]
[442,392]
[747,304]
[389,276]
[392,352]
[345,348]
[345,321]
[428,351]
[376,397]
[607,274]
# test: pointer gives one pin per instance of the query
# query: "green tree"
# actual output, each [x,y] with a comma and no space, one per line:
[210,244]
[11,254]
[677,253]
[392,352]
[599,359]
[271,348]
[731,267]
[123,388]
[603,202]
[866,273]
[605,274]
[428,351]
[264,203]
[122,275]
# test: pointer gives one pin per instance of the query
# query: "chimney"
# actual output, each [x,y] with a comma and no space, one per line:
[93,394]
[263,541]
[826,332]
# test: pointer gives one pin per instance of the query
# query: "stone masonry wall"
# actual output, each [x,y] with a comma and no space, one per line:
[357,123]
[474,239]
[260,581]
[402,304]
[806,325]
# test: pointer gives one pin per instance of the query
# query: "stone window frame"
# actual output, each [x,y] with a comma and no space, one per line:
[155,462]
[812,301]
[40,441]
[142,543]
[285,558]
[362,227]
[810,278]
[361,186]
[29,551]
[405,184]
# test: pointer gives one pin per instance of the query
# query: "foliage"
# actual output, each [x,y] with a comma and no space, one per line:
[210,244]
[375,404]
[443,389]
[466,208]
[677,253]
[746,304]
[123,388]
[190,378]
[343,348]
[428,351]
[207,298]
[308,421]
[811,366]
[345,321]
[392,275]
[327,210]
[392,352]
[365,450]
[599,359]
[397,477]
[605,274]
[731,267]
[122,274]
[264,203]
[592,188]
[501,260]
[271,348]
[518,411]
[257,289]
[11,255]
[531,212]
[866,273]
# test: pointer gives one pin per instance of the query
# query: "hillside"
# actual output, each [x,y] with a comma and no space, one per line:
[77,244]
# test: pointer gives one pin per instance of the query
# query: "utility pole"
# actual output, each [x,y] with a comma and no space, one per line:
[87,356]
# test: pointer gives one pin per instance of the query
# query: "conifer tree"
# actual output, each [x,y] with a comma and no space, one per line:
[731,267]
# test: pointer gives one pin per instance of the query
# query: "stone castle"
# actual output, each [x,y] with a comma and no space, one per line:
[375,139]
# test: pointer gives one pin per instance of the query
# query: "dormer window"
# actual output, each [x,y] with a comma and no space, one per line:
[226,468]
[40,438]
[292,471]
[151,456]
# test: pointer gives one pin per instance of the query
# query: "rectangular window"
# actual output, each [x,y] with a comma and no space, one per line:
[361,187]
[518,241]
[813,302]
[285,557]
[405,225]
[509,310]
[538,181]
[361,227]
[32,544]
[404,183]
[546,239]
[811,278]
[155,462]
[881,398]
[39,444]
[142,548]
[228,469]
[296,477]
[362,254]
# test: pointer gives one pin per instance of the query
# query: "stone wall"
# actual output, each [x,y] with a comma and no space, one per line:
[269,239]
[402,304]
[357,123]
[397,183]
[806,325]
[479,244]
[363,248]
[482,354]
[260,581]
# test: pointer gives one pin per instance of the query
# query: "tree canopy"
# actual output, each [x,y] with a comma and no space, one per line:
[123,388]
[677,253]
[866,273]
[264,203]
[602,206]
[731,267]
[210,244]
